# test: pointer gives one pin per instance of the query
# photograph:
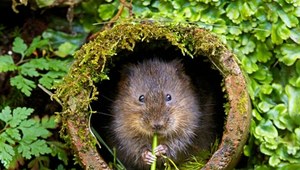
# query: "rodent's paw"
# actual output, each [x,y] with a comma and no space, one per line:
[161,150]
[148,157]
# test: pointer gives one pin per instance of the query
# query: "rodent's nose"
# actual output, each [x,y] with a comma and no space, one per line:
[157,126]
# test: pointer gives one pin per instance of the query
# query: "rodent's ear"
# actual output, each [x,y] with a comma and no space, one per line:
[178,65]
[127,71]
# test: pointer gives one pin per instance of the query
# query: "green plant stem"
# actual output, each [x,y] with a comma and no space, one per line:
[154,145]
[4,128]
[112,152]
[171,161]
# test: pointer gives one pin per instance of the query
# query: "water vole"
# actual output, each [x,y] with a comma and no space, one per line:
[158,96]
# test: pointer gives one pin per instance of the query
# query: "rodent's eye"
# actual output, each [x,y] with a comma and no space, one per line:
[142,98]
[168,97]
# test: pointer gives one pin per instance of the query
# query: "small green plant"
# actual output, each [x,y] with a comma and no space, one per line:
[26,70]
[194,162]
[25,137]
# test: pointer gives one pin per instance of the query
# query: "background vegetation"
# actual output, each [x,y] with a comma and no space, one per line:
[37,50]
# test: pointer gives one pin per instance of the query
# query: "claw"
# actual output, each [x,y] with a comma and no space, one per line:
[161,150]
[148,157]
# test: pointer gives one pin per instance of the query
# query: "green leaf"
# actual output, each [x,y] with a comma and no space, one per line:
[263,74]
[6,115]
[35,147]
[13,133]
[51,78]
[6,138]
[266,150]
[232,12]
[49,123]
[274,160]
[256,114]
[40,162]
[36,43]
[271,10]
[289,19]
[283,154]
[32,130]
[276,38]
[28,69]
[261,14]
[19,115]
[295,35]
[106,11]
[289,167]
[25,150]
[265,106]
[23,84]
[39,147]
[56,38]
[263,31]
[283,31]
[248,45]
[276,112]
[48,79]
[6,154]
[249,65]
[19,46]
[297,10]
[290,52]
[7,63]
[66,49]
[59,65]
[27,123]
[235,30]
[212,16]
[263,167]
[40,63]
[287,121]
[294,102]
[246,11]
[248,26]
[262,52]
[266,89]
[59,149]
[44,3]
[266,129]
[297,132]
[247,150]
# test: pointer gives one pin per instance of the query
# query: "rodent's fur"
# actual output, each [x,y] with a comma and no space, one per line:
[181,123]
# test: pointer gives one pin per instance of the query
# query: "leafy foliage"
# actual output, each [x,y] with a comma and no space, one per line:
[7,63]
[48,71]
[26,63]
[25,136]
[265,37]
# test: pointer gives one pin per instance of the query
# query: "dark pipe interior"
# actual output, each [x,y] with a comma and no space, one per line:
[199,69]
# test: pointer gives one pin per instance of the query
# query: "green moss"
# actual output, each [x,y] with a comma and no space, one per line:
[243,103]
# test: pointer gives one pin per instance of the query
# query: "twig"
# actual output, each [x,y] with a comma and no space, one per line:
[50,94]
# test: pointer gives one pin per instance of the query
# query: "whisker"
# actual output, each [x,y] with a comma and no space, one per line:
[107,98]
[106,114]
[211,104]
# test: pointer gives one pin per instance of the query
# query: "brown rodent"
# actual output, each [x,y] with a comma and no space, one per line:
[158,96]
